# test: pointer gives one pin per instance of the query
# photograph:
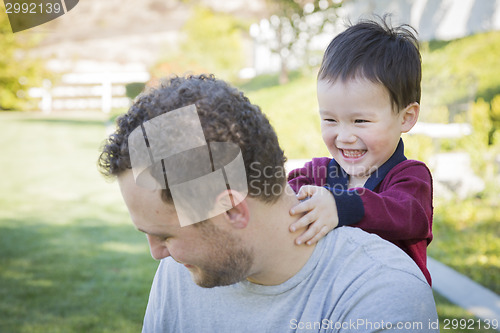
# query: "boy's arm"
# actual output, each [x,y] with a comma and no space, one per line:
[320,209]
[320,216]
[402,209]
[312,173]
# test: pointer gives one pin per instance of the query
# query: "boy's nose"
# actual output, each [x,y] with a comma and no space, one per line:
[158,248]
[345,135]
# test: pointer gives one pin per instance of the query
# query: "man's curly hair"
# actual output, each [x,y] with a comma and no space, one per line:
[226,115]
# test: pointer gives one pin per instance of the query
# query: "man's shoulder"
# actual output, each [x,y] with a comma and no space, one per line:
[357,247]
[370,244]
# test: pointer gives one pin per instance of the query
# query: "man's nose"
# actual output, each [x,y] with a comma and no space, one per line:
[158,247]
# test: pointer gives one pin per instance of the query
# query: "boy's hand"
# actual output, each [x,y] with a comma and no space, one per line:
[321,214]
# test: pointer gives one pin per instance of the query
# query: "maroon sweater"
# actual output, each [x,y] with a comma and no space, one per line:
[395,202]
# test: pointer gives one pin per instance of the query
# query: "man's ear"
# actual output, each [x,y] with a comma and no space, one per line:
[236,206]
[409,117]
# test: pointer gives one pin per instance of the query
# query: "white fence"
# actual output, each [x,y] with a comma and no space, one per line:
[84,91]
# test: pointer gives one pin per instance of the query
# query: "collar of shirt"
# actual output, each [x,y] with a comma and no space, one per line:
[337,177]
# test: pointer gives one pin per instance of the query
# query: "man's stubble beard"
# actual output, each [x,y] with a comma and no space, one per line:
[228,262]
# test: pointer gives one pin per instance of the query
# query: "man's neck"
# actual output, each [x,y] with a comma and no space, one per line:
[278,258]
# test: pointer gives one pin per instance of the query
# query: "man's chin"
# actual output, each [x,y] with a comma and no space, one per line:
[210,281]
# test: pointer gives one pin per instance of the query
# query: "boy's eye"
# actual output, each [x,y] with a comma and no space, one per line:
[359,121]
[329,120]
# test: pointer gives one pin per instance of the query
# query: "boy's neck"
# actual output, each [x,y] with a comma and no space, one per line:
[357,181]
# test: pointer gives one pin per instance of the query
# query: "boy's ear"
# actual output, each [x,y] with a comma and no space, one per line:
[236,208]
[409,117]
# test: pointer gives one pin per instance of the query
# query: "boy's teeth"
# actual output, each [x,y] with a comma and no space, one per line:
[353,153]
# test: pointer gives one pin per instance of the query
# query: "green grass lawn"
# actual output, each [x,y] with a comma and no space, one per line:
[70,259]
[455,319]
[467,238]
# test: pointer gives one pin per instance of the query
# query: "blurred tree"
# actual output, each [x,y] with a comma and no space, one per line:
[132,90]
[479,144]
[212,44]
[213,40]
[17,72]
[295,23]
[495,118]
[462,70]
[481,123]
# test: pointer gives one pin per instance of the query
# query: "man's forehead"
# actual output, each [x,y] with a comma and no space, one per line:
[126,179]
[143,202]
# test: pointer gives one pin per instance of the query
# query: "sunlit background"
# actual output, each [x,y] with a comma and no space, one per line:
[71,261]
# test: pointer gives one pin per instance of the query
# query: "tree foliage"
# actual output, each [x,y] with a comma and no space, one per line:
[481,145]
[211,43]
[17,72]
[213,40]
[463,67]
[295,23]
[461,73]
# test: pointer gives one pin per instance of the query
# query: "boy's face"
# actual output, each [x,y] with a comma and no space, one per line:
[359,125]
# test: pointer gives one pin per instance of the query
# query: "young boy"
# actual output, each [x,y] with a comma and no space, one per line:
[368,94]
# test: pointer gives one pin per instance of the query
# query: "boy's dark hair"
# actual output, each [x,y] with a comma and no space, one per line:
[379,53]
[226,115]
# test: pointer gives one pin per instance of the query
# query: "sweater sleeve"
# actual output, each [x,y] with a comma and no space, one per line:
[299,177]
[312,173]
[402,209]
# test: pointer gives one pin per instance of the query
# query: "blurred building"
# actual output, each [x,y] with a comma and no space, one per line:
[433,19]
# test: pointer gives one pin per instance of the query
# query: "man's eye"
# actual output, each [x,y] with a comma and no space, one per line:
[163,238]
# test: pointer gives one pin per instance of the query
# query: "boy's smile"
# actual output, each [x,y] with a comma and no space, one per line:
[352,153]
[360,126]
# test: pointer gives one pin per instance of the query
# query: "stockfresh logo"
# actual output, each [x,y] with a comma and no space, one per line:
[171,151]
[26,14]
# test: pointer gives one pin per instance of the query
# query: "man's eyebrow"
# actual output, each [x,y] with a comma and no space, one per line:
[154,234]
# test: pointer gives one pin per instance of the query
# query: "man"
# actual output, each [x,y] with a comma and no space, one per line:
[240,270]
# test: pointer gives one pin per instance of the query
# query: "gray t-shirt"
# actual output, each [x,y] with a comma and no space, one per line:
[353,282]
